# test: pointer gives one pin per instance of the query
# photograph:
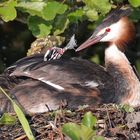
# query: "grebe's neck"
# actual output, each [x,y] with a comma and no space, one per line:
[127,85]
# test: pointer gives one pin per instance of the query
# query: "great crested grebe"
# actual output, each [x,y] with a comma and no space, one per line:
[43,85]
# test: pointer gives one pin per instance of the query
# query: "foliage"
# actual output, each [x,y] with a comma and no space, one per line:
[135,3]
[21,117]
[7,119]
[8,11]
[127,108]
[94,7]
[53,17]
[85,131]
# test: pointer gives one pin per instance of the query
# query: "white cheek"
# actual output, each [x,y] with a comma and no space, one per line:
[109,37]
[113,34]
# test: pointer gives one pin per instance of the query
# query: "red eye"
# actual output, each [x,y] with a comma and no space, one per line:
[108,29]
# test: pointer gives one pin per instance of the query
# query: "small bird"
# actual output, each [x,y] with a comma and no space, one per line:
[39,86]
[56,52]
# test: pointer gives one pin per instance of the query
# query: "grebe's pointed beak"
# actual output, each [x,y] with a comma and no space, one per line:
[92,40]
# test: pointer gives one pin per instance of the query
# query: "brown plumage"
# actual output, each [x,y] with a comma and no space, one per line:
[128,31]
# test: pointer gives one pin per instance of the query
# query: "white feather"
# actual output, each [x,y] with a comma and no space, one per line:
[58,87]
[91,84]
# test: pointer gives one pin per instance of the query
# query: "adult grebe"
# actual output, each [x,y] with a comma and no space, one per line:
[46,84]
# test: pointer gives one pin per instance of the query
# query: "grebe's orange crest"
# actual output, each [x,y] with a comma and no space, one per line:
[115,28]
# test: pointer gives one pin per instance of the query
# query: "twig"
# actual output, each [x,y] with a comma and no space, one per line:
[21,137]
[48,108]
[108,117]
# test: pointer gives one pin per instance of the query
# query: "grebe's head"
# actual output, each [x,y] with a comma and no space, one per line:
[115,28]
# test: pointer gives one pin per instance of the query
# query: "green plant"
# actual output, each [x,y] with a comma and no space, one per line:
[21,117]
[127,108]
[84,131]
[8,119]
[45,17]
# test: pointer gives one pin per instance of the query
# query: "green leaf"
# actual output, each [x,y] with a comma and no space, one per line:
[72,130]
[83,131]
[8,11]
[44,30]
[76,15]
[89,120]
[86,133]
[134,3]
[8,119]
[23,121]
[39,27]
[127,108]
[33,8]
[92,15]
[101,6]
[21,117]
[77,132]
[52,9]
[60,24]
